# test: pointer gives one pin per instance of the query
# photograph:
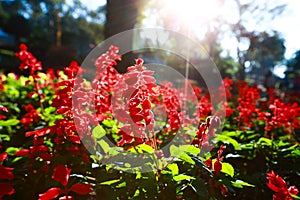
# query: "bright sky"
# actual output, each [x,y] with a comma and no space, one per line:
[288,23]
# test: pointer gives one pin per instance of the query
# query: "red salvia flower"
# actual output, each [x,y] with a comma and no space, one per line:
[5,174]
[6,189]
[28,61]
[218,164]
[3,156]
[50,194]
[62,174]
[279,186]
[30,117]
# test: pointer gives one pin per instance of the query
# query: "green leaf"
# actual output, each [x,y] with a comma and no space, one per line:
[190,149]
[12,150]
[295,153]
[227,169]
[174,169]
[16,159]
[175,151]
[187,158]
[4,137]
[291,147]
[110,182]
[265,141]
[49,110]
[108,123]
[295,196]
[104,145]
[138,175]
[10,122]
[178,153]
[114,129]
[241,184]
[98,132]
[137,193]
[145,148]
[248,146]
[123,184]
[227,139]
[113,151]
[182,177]
[231,133]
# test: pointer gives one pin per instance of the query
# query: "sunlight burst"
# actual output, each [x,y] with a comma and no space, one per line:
[193,11]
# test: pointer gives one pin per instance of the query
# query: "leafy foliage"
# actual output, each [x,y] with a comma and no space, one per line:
[42,146]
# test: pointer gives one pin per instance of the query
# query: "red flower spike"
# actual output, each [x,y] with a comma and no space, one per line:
[23,47]
[6,189]
[30,117]
[61,174]
[3,156]
[40,132]
[276,183]
[80,188]
[50,194]
[28,61]
[6,173]
[293,190]
[279,186]
[139,61]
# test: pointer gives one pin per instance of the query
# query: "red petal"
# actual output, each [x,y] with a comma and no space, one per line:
[3,156]
[276,183]
[61,174]
[149,79]
[137,117]
[75,139]
[148,72]
[273,187]
[3,108]
[131,81]
[81,188]
[131,75]
[5,173]
[146,104]
[23,47]
[39,132]
[134,110]
[6,189]
[293,190]
[217,166]
[50,194]
[22,152]
[139,61]
[208,163]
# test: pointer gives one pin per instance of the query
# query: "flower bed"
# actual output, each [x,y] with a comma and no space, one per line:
[65,137]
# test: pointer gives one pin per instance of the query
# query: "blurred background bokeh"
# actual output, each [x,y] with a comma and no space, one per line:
[252,40]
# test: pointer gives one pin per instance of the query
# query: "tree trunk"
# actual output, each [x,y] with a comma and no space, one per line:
[121,15]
